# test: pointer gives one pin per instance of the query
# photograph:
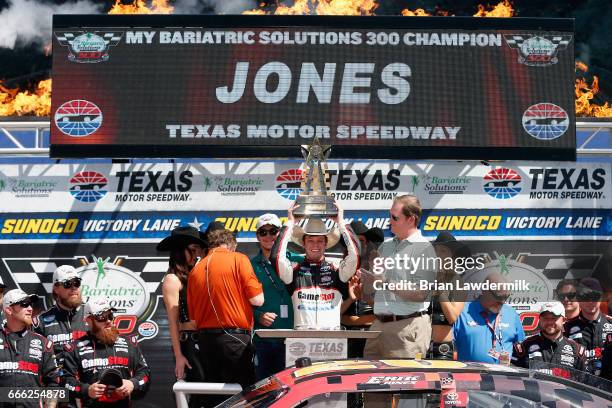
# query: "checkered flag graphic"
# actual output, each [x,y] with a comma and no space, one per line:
[65,38]
[111,38]
[557,267]
[36,275]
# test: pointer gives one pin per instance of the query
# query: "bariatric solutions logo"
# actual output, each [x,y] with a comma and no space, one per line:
[86,47]
[502,183]
[78,118]
[87,186]
[545,121]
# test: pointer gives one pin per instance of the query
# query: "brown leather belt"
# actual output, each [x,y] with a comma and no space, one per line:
[384,318]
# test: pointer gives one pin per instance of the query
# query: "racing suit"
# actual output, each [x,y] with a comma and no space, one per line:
[26,360]
[606,360]
[86,359]
[316,288]
[592,335]
[61,327]
[564,355]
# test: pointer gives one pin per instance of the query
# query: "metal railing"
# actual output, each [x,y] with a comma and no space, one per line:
[182,389]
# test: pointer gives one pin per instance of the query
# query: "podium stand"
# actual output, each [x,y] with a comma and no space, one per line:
[318,345]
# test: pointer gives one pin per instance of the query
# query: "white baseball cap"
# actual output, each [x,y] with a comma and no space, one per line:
[14,296]
[97,306]
[268,219]
[555,308]
[64,273]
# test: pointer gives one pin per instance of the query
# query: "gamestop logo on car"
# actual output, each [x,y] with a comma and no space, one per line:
[568,183]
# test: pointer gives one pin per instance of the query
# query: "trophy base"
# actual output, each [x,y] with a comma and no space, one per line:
[315,206]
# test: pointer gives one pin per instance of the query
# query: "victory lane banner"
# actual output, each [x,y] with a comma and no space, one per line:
[260,86]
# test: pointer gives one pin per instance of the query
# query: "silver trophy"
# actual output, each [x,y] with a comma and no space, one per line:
[314,201]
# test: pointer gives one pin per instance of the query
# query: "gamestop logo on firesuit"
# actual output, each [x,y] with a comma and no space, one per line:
[154,185]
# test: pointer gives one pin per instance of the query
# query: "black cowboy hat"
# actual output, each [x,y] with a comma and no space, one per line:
[459,249]
[181,237]
[374,234]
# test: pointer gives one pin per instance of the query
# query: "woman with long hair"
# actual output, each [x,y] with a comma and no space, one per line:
[186,246]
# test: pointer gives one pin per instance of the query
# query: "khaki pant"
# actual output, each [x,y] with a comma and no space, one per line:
[401,339]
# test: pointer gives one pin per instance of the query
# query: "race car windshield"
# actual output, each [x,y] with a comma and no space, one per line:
[260,394]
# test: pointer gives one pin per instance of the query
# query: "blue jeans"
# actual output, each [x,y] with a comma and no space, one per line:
[270,358]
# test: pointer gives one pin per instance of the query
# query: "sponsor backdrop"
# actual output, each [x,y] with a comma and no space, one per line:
[212,84]
[555,222]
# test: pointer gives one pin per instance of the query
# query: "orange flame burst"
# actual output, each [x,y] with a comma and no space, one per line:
[140,7]
[324,8]
[584,95]
[502,9]
[416,13]
[20,103]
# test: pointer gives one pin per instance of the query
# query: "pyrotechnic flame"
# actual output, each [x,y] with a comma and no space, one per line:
[21,103]
[585,94]
[140,7]
[502,9]
[323,8]
[416,13]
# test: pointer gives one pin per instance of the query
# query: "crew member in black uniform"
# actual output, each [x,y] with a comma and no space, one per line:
[549,349]
[591,327]
[102,354]
[64,321]
[26,358]
[606,359]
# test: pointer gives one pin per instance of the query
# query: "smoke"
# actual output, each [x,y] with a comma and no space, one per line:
[27,21]
[216,6]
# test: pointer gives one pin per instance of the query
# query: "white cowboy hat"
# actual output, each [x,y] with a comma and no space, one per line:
[315,226]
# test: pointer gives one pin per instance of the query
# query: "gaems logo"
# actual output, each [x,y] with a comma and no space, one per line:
[567,183]
[154,186]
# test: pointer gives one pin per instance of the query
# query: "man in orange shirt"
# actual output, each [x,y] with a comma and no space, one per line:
[221,291]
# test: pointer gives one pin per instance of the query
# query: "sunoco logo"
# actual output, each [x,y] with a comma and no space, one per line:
[502,183]
[288,183]
[545,121]
[154,185]
[88,186]
[78,118]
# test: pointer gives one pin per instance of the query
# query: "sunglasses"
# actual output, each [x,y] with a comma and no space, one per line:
[589,297]
[500,297]
[263,232]
[567,295]
[76,282]
[394,217]
[102,318]
[24,303]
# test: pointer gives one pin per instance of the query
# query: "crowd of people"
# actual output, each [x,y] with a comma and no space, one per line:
[215,297]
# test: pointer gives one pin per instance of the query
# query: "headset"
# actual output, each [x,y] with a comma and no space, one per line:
[213,305]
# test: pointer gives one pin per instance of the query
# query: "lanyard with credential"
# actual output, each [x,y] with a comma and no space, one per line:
[280,290]
[493,327]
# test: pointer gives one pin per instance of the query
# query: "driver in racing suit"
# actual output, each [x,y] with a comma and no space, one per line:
[316,285]
[591,327]
[102,350]
[26,358]
[549,349]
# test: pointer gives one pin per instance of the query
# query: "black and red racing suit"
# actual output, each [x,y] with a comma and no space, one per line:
[86,359]
[560,357]
[61,327]
[592,335]
[316,288]
[26,361]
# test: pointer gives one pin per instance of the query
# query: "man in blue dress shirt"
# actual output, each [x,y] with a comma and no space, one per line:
[488,328]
